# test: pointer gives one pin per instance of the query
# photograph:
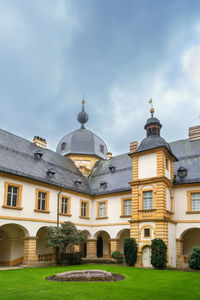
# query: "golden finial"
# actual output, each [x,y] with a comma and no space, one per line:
[151,109]
[83,101]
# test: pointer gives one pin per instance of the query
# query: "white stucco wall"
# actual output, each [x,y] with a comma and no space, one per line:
[147,165]
[172,244]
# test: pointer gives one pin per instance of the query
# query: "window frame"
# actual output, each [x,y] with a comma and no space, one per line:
[123,207]
[189,202]
[46,210]
[68,214]
[149,190]
[87,209]
[19,195]
[98,209]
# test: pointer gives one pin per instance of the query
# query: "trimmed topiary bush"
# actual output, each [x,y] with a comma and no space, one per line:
[118,256]
[130,251]
[158,253]
[194,259]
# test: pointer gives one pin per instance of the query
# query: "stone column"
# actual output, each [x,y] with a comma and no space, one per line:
[114,245]
[138,263]
[30,256]
[179,253]
[91,248]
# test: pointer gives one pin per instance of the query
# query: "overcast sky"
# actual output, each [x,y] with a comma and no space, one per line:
[118,53]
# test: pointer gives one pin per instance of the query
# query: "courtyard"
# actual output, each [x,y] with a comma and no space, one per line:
[30,283]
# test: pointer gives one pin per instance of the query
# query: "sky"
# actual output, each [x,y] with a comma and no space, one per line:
[117,53]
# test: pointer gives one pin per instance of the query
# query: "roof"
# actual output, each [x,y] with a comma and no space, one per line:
[82,141]
[17,158]
[188,154]
[151,142]
[111,176]
[108,176]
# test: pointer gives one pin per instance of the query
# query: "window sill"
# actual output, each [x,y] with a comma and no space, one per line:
[65,215]
[87,218]
[192,212]
[123,216]
[101,218]
[42,211]
[12,207]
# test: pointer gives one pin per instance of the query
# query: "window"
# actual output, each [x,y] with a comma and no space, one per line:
[125,207]
[148,200]
[63,145]
[65,205]
[12,196]
[193,199]
[102,209]
[42,201]
[84,209]
[101,148]
[147,232]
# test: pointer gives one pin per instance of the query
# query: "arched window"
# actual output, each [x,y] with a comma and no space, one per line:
[63,145]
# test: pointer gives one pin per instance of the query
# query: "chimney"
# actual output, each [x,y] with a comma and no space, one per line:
[108,155]
[194,133]
[133,147]
[40,142]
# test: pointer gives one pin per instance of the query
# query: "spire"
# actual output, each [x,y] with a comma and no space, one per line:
[151,109]
[83,116]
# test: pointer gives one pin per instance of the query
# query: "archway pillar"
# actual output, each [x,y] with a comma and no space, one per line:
[30,256]
[114,245]
[91,248]
[138,263]
[179,253]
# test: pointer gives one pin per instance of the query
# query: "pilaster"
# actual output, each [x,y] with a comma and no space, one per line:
[114,245]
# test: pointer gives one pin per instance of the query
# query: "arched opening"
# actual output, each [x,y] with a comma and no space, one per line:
[43,252]
[12,244]
[83,246]
[103,244]
[191,238]
[122,235]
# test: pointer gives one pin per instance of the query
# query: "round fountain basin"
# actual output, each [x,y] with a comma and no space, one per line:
[86,275]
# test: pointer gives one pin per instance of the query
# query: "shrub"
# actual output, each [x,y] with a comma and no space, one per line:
[194,259]
[130,251]
[158,253]
[74,258]
[118,256]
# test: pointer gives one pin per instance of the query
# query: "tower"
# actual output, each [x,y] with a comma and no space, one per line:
[152,197]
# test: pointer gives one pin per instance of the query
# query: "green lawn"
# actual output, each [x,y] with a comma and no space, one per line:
[139,284]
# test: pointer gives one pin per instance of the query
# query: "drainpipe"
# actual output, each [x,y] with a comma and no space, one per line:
[58,205]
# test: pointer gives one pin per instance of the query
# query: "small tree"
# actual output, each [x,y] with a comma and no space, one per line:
[130,251]
[194,259]
[63,238]
[158,253]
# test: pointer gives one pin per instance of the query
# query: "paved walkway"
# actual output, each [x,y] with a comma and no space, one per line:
[11,267]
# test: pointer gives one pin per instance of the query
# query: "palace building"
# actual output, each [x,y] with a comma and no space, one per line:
[152,191]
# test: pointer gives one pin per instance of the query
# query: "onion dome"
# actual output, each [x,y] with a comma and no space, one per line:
[82,141]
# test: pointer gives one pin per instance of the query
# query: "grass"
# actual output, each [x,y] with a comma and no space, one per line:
[139,284]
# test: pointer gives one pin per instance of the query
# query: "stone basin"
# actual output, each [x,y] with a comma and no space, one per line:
[86,275]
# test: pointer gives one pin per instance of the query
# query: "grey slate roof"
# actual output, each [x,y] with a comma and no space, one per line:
[188,154]
[17,157]
[108,176]
[82,141]
[102,180]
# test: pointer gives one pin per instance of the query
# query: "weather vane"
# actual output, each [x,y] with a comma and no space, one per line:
[151,107]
